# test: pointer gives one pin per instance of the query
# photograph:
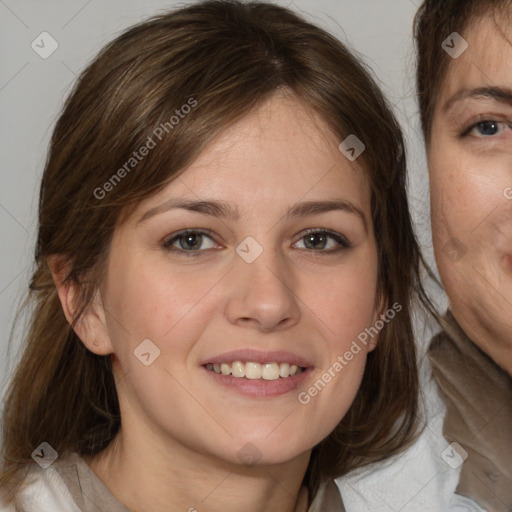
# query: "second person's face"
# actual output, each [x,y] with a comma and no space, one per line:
[470,166]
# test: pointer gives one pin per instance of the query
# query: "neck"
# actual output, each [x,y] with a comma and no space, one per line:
[145,476]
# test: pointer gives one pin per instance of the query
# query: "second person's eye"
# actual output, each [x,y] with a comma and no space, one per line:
[488,128]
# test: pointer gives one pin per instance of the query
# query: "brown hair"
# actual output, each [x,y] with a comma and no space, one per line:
[227,57]
[435,20]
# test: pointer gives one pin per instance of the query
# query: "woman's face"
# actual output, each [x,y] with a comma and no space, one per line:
[470,164]
[278,269]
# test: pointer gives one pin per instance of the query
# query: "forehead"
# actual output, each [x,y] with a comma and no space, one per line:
[282,149]
[488,58]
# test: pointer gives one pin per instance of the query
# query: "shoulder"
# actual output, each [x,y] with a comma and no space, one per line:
[418,479]
[43,490]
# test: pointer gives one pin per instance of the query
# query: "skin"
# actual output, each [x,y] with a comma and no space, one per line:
[181,431]
[470,166]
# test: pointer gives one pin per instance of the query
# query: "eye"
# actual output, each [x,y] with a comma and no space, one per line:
[488,128]
[194,242]
[189,241]
[321,240]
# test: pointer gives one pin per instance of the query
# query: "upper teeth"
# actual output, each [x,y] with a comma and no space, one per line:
[251,370]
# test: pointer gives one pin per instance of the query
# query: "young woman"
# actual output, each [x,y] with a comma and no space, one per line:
[225,267]
[464,82]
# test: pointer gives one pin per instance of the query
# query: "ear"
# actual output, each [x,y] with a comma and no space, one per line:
[91,327]
[381,305]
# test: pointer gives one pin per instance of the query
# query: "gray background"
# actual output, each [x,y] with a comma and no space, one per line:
[32,91]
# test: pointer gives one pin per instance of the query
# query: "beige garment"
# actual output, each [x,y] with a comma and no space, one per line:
[478,398]
[91,495]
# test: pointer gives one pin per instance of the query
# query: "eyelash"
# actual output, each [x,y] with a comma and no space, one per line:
[167,244]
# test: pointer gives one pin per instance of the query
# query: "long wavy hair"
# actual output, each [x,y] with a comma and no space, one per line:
[228,57]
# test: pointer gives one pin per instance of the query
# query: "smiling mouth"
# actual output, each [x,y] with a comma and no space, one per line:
[254,371]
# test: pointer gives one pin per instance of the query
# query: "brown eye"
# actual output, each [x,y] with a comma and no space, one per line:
[327,241]
[316,241]
[189,241]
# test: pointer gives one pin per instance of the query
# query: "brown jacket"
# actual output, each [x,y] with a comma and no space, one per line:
[478,398]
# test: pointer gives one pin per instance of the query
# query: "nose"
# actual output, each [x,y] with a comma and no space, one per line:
[262,294]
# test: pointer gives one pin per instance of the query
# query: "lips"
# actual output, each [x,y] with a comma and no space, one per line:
[258,356]
[253,371]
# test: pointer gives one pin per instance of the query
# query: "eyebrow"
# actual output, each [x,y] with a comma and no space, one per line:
[224,209]
[498,94]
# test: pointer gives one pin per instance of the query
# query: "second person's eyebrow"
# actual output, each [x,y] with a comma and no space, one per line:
[499,94]
[226,210]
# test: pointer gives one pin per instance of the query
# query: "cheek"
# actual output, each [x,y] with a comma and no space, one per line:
[332,390]
[447,187]
[464,191]
[471,212]
[157,293]
[156,318]
[345,298]
[346,316]
[150,302]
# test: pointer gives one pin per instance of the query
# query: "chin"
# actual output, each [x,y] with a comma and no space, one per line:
[264,452]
